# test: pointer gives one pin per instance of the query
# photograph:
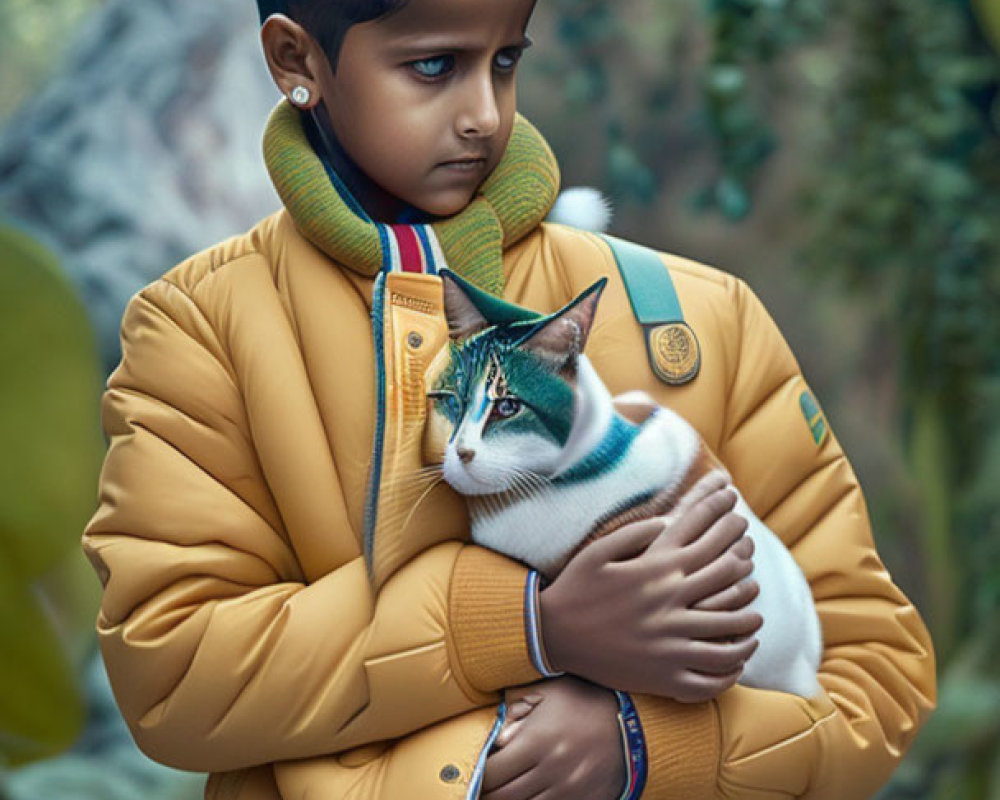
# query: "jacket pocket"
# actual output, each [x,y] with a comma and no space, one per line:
[436,763]
[256,783]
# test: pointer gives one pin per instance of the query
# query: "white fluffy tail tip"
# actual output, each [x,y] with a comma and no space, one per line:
[582,207]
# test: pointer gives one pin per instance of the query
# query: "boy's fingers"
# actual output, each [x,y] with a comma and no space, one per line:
[523,787]
[731,598]
[697,688]
[719,658]
[723,534]
[627,541]
[694,522]
[505,736]
[708,484]
[528,694]
[718,575]
[702,626]
[745,547]
[519,710]
[503,766]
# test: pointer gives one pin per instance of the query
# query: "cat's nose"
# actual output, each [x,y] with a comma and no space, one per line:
[465,455]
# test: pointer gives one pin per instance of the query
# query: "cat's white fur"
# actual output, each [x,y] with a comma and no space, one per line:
[542,531]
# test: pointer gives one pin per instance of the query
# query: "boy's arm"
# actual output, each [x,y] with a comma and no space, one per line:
[221,652]
[877,670]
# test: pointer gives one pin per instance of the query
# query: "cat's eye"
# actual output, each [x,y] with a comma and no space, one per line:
[449,400]
[507,407]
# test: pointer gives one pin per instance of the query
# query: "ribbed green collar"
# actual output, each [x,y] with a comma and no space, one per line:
[512,201]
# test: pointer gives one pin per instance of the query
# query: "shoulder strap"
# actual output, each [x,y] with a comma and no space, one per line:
[672,347]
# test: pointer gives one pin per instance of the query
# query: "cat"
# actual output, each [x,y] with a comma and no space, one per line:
[529,434]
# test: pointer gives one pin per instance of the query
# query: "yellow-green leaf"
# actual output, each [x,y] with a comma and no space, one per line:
[50,454]
[988,13]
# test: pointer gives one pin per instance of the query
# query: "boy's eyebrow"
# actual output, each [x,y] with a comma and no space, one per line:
[416,45]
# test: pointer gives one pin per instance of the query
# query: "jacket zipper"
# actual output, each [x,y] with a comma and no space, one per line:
[476,781]
[375,473]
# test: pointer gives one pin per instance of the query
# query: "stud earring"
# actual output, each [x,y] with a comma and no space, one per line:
[301,95]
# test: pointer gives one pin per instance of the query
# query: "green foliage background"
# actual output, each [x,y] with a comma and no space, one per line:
[892,108]
[845,158]
[47,597]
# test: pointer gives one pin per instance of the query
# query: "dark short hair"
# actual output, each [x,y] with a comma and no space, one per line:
[327,21]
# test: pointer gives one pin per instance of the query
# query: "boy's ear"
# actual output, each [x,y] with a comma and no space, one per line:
[293,58]
[464,319]
[564,335]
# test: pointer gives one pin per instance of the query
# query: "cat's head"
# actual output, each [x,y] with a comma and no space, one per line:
[502,408]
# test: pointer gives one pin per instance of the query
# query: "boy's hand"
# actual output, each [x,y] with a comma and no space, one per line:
[561,741]
[658,608]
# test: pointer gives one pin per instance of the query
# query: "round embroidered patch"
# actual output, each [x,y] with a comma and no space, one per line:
[674,352]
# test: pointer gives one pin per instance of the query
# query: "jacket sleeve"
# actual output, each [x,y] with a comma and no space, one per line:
[877,670]
[221,653]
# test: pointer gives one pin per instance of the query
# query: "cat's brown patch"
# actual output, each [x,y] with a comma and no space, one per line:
[661,503]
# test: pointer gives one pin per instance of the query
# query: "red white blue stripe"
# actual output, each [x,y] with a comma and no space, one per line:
[411,248]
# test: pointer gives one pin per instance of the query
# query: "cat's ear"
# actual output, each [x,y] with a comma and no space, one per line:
[464,319]
[564,335]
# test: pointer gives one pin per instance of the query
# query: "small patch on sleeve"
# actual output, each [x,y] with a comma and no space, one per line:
[814,417]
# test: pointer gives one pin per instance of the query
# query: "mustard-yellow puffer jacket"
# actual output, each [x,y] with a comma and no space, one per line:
[270,619]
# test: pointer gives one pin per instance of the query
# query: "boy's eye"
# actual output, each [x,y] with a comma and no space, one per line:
[507,407]
[507,59]
[434,67]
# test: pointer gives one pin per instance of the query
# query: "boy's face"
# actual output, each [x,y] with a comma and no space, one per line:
[423,101]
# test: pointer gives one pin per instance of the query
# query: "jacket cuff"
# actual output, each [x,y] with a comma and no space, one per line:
[633,747]
[487,611]
[682,746]
[533,621]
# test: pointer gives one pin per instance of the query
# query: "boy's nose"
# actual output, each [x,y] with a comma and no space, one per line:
[480,113]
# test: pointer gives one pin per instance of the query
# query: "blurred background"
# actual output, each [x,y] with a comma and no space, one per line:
[843,157]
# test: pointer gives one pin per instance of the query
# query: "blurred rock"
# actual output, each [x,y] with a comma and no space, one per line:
[144,148]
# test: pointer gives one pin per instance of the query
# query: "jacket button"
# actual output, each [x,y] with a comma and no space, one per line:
[450,773]
[414,340]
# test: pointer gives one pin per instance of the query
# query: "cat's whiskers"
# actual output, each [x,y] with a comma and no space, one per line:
[414,477]
[541,492]
[413,509]
[526,484]
[517,489]
[420,482]
[401,516]
[524,489]
[539,479]
[531,478]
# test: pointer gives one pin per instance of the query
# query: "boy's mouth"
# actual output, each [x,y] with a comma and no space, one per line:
[465,164]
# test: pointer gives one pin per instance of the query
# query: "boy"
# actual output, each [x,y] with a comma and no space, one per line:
[283,610]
